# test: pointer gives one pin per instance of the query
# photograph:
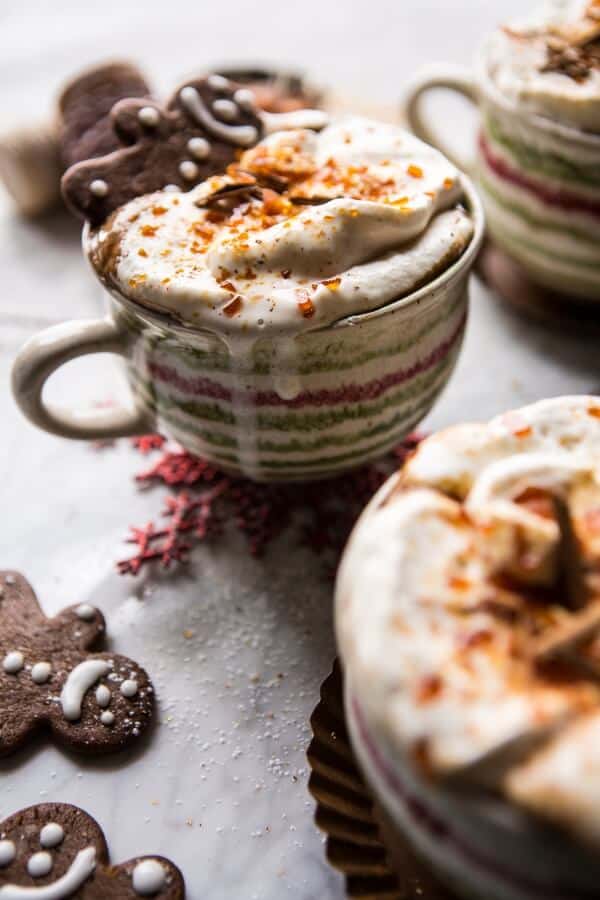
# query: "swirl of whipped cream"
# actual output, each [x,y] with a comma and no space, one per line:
[549,62]
[315,227]
[467,579]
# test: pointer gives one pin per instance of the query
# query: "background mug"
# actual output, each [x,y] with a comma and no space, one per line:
[299,409]
[539,180]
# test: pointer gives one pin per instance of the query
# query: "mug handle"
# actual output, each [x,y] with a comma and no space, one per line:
[452,78]
[46,352]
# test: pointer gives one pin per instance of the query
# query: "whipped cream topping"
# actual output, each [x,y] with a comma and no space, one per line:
[462,579]
[549,62]
[307,228]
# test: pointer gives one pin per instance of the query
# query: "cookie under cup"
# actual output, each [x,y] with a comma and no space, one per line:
[360,841]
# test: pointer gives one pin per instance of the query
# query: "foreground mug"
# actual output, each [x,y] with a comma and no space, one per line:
[327,401]
[539,180]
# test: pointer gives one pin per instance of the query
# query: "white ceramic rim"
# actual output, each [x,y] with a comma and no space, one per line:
[465,261]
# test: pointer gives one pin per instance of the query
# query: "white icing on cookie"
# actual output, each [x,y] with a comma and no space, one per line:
[199,147]
[52,835]
[245,98]
[129,688]
[188,169]
[225,109]
[41,672]
[8,851]
[103,696]
[13,662]
[85,611]
[148,878]
[149,116]
[80,870]
[99,188]
[107,718]
[218,82]
[39,864]
[243,135]
[80,680]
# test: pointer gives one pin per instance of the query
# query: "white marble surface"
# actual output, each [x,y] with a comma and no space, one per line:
[220,786]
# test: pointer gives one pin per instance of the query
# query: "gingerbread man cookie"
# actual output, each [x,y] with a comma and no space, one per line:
[203,128]
[196,135]
[91,702]
[55,851]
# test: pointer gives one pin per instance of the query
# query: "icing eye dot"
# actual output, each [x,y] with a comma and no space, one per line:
[188,169]
[149,116]
[41,672]
[218,83]
[8,851]
[84,610]
[225,109]
[199,148]
[103,696]
[39,864]
[244,98]
[107,718]
[52,835]
[148,878]
[99,187]
[13,662]
[129,688]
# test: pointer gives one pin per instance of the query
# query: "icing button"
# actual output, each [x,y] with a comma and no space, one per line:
[225,109]
[218,82]
[129,688]
[199,148]
[188,169]
[8,851]
[39,864]
[41,672]
[99,187]
[103,696]
[244,98]
[13,662]
[148,877]
[85,611]
[52,835]
[107,718]
[149,116]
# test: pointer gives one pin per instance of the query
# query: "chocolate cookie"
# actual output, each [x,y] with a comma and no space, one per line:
[200,131]
[54,851]
[85,126]
[275,90]
[91,702]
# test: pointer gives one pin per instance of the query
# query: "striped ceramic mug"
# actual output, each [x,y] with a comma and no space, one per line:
[539,180]
[327,401]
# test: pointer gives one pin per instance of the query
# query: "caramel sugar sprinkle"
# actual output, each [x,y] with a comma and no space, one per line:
[233,307]
[306,307]
[415,171]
